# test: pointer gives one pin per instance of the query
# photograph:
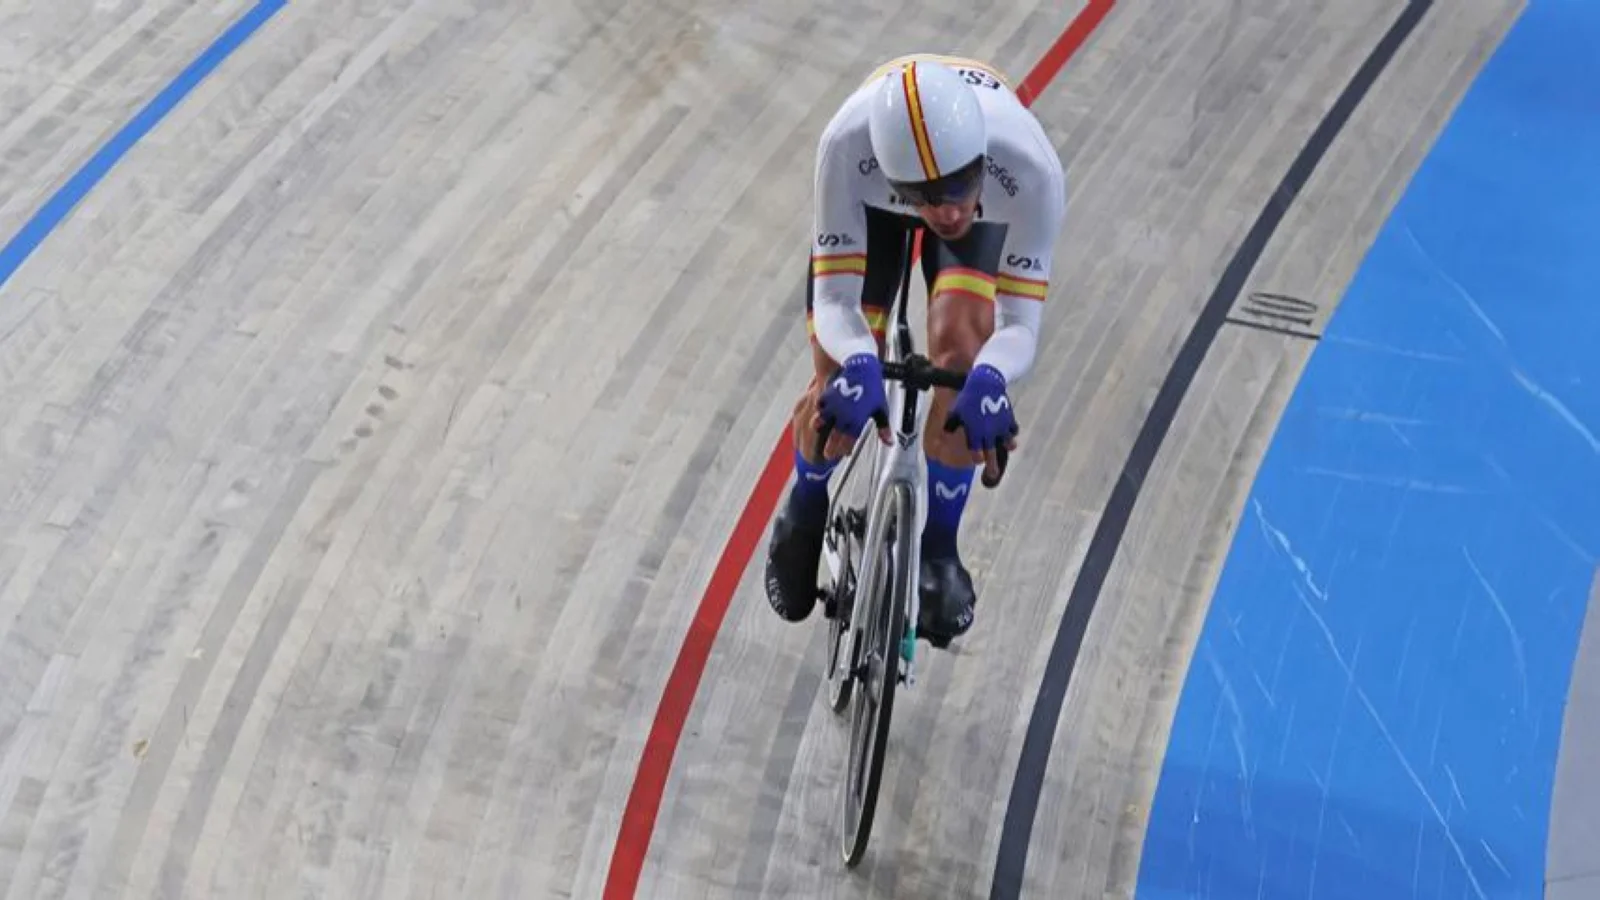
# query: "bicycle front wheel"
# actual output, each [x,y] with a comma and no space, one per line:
[844,550]
[881,623]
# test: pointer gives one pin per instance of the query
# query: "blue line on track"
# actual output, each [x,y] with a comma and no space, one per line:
[61,204]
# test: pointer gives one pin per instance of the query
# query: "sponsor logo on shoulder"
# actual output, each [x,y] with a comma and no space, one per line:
[835,240]
[1003,175]
[1025,263]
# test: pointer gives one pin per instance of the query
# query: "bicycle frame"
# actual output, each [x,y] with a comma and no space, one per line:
[902,462]
[864,510]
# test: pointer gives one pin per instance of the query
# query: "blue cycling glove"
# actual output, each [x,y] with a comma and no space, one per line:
[854,396]
[983,410]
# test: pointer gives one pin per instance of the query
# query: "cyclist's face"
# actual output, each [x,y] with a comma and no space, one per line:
[950,220]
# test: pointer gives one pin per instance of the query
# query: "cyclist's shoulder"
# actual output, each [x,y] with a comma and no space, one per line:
[1018,138]
[1025,183]
[846,130]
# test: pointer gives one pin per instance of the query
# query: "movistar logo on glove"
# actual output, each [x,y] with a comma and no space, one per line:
[991,405]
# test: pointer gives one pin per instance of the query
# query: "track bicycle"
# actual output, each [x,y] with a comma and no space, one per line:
[871,546]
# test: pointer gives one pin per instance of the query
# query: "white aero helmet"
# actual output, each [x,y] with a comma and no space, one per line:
[928,132]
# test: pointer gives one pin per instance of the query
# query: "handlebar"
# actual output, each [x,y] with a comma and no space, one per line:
[919,374]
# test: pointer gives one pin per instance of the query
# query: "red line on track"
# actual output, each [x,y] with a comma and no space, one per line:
[655,763]
[639,816]
[1070,41]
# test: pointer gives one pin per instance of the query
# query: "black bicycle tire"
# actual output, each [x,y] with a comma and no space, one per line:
[895,596]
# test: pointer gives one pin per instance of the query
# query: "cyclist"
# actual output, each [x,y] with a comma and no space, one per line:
[942,144]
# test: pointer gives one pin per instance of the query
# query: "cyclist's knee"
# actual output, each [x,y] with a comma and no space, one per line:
[805,406]
[957,329]
[822,365]
[806,403]
[949,448]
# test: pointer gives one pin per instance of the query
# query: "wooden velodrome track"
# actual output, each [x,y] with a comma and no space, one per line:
[374,426]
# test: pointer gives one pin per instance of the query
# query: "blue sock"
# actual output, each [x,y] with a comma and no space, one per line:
[808,499]
[948,489]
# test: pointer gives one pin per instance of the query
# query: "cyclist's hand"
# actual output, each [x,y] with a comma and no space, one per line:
[983,411]
[853,397]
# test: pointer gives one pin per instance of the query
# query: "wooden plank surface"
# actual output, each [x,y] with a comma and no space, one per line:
[368,435]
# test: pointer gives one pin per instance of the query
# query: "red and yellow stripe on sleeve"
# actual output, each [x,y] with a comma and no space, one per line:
[877,320]
[826,264]
[960,282]
[1028,288]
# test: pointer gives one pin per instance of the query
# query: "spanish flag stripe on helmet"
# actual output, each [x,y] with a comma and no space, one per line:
[919,126]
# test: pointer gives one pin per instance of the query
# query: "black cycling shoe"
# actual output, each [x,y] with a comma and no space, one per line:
[793,558]
[947,600]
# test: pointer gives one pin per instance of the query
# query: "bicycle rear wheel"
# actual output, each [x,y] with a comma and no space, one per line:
[880,622]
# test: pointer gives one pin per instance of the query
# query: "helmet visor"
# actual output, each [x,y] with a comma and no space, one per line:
[956,187]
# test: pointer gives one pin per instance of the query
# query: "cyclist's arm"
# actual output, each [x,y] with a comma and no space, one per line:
[1023,279]
[839,253]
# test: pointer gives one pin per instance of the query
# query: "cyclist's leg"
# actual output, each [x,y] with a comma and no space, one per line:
[796,548]
[961,282]
[961,287]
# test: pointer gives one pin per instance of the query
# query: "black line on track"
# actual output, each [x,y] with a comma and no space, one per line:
[1286,332]
[1017,830]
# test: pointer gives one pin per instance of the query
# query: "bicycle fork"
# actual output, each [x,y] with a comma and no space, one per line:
[907,464]
[908,641]
[906,647]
